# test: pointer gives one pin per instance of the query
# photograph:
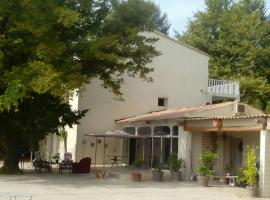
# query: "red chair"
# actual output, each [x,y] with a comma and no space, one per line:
[83,166]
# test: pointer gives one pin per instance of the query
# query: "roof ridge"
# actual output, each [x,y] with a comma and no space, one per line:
[182,43]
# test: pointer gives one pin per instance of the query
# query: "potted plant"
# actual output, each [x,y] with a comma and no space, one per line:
[100,174]
[137,176]
[250,171]
[176,166]
[56,157]
[205,169]
[157,172]
[241,180]
[228,170]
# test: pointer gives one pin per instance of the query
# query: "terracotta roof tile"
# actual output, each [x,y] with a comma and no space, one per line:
[173,113]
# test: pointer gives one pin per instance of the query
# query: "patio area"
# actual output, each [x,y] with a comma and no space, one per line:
[117,185]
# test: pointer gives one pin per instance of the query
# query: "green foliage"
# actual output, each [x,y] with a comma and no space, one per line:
[138,164]
[158,166]
[62,133]
[56,156]
[177,164]
[207,160]
[49,50]
[35,119]
[241,177]
[250,171]
[56,47]
[236,36]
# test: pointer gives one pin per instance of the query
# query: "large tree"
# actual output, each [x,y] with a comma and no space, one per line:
[36,117]
[58,46]
[51,48]
[236,36]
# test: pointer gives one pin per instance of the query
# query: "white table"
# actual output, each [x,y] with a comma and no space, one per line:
[232,180]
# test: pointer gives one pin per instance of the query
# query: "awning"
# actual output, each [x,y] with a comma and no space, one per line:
[116,134]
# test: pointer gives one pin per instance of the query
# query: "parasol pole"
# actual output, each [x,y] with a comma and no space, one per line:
[152,151]
[104,152]
[96,153]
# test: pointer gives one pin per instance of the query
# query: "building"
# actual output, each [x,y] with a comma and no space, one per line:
[226,128]
[175,112]
[180,79]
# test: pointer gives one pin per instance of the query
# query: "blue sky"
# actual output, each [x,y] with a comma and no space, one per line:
[180,10]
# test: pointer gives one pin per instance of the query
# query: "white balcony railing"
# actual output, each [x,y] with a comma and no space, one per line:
[220,88]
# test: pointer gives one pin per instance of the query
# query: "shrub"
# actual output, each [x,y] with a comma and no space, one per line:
[138,164]
[177,164]
[250,171]
[207,160]
[241,180]
[157,166]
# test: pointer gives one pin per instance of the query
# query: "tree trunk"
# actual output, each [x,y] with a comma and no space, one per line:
[65,145]
[11,157]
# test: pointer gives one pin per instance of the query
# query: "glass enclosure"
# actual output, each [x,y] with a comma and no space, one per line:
[160,143]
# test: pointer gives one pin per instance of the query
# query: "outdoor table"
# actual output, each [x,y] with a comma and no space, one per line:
[232,180]
[14,195]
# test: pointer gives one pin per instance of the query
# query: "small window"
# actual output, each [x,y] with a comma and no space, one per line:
[161,130]
[175,130]
[144,130]
[130,130]
[162,102]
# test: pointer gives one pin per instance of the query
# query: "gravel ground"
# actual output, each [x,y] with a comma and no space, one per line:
[116,186]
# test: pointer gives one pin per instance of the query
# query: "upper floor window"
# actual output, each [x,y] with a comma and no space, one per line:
[162,102]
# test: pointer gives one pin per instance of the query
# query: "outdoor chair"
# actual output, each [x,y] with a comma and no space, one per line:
[83,166]
[66,164]
[41,165]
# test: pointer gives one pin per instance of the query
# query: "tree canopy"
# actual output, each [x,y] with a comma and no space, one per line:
[56,47]
[51,48]
[236,36]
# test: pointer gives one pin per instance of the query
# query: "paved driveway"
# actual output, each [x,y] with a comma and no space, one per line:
[116,187]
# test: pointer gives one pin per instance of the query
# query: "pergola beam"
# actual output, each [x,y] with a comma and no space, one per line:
[224,129]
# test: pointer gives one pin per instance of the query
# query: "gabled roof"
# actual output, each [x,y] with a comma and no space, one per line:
[179,42]
[176,113]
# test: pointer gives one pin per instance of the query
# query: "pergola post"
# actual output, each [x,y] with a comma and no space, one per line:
[264,184]
[184,150]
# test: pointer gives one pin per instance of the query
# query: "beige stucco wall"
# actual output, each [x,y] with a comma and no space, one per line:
[180,74]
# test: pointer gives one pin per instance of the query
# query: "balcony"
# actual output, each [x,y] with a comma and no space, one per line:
[220,89]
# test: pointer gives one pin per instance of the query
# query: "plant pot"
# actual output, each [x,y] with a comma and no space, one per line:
[136,176]
[157,176]
[252,191]
[203,181]
[100,174]
[176,176]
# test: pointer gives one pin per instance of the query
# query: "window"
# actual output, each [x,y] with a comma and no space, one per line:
[130,130]
[162,130]
[144,130]
[175,130]
[162,102]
